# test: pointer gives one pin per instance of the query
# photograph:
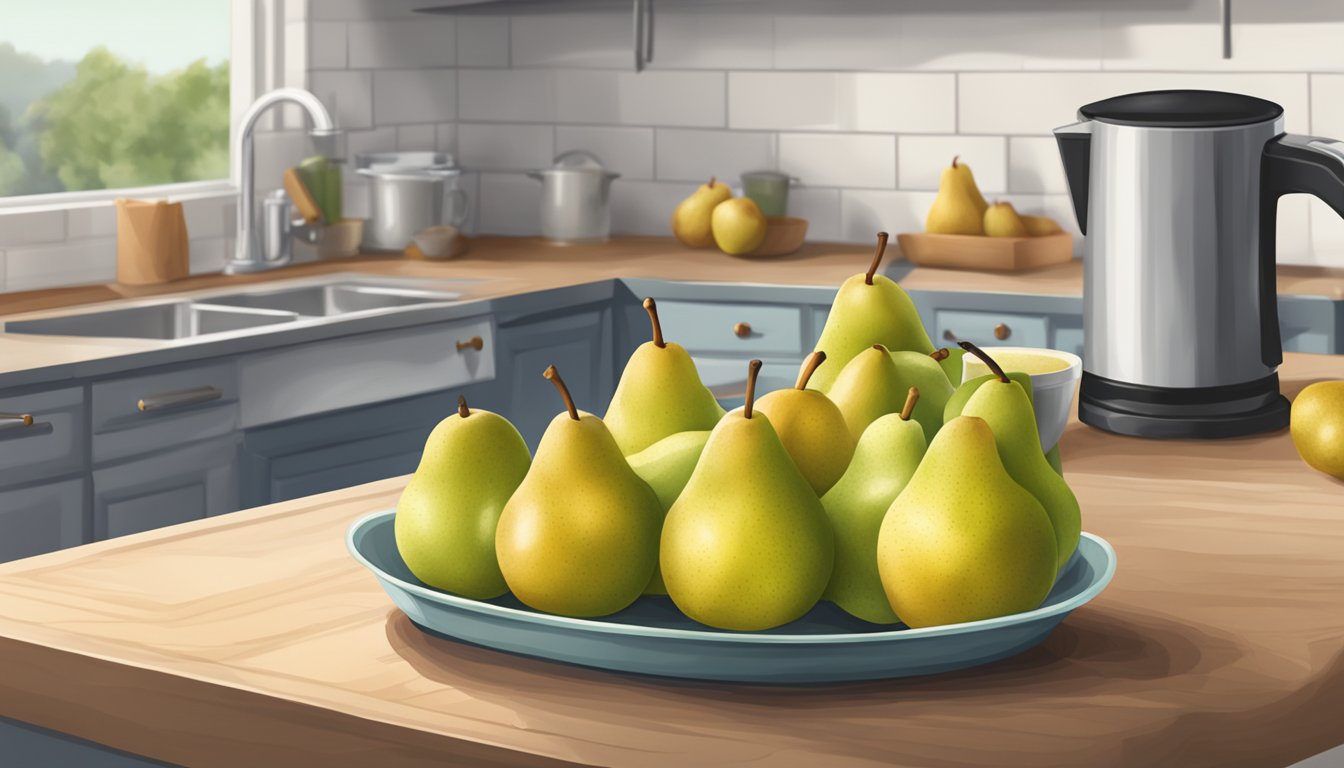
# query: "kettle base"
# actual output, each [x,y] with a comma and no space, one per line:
[1235,410]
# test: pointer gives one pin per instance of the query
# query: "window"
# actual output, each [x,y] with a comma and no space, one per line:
[107,95]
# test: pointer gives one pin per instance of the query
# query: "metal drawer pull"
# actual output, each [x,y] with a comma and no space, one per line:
[1002,331]
[475,342]
[742,330]
[179,398]
[16,420]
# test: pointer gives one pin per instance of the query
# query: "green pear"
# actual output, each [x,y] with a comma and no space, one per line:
[867,388]
[666,466]
[1005,406]
[659,394]
[963,541]
[925,374]
[811,427]
[746,545]
[884,461]
[445,522]
[957,402]
[869,309]
[1056,460]
[580,535]
[950,360]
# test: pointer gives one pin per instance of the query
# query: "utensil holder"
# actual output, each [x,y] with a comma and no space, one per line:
[152,242]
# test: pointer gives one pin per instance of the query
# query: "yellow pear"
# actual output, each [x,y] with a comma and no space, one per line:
[957,208]
[968,179]
[811,427]
[690,219]
[1041,225]
[1317,426]
[1001,220]
[738,225]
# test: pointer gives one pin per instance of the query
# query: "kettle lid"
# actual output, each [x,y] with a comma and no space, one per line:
[1182,109]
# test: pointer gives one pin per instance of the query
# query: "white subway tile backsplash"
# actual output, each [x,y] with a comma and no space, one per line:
[1327,106]
[1034,166]
[696,155]
[415,137]
[509,205]
[445,137]
[1034,103]
[87,221]
[75,263]
[675,99]
[573,39]
[364,9]
[645,207]
[209,217]
[821,208]
[427,41]
[921,160]
[414,95]
[865,213]
[839,101]
[348,95]
[28,227]
[365,142]
[274,153]
[490,147]
[1327,234]
[821,40]
[511,95]
[627,151]
[1001,36]
[691,39]
[1293,236]
[482,41]
[839,160]
[209,254]
[326,45]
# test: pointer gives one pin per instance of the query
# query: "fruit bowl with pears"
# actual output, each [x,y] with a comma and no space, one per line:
[712,217]
[875,520]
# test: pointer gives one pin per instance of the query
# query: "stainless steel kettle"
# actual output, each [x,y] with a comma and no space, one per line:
[1177,193]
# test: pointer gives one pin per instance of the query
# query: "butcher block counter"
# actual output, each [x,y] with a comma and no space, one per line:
[255,639]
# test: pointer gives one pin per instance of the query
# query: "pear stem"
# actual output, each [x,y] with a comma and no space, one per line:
[954,160]
[712,180]
[753,370]
[651,307]
[911,398]
[880,348]
[552,375]
[810,366]
[988,361]
[940,354]
[462,409]
[877,257]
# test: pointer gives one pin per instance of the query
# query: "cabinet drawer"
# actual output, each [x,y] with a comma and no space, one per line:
[980,328]
[708,327]
[189,483]
[41,519]
[134,415]
[369,368]
[52,445]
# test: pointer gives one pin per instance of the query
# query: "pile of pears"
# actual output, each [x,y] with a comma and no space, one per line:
[711,216]
[878,482]
[960,209]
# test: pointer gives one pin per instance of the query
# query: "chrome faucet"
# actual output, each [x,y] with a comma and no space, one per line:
[253,253]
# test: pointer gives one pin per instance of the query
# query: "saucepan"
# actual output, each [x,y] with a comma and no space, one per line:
[575,198]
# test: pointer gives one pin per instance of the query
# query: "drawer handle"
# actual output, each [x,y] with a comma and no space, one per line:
[742,330]
[8,420]
[1002,331]
[475,342]
[179,398]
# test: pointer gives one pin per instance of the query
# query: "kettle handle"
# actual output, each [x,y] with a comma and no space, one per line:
[1291,163]
[1075,150]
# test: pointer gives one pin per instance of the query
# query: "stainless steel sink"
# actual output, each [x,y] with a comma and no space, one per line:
[335,299]
[173,320]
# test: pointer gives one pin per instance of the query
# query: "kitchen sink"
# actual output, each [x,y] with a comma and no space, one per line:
[175,320]
[336,299]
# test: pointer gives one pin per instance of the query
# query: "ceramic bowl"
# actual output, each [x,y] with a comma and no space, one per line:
[436,242]
[1051,393]
[340,239]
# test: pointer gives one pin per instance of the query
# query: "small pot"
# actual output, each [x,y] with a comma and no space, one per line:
[410,191]
[575,198]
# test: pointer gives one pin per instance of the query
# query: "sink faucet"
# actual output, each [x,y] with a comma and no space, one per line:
[249,254]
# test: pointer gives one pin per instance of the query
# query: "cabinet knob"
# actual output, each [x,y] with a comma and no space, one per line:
[475,342]
[16,419]
[1002,331]
[742,330]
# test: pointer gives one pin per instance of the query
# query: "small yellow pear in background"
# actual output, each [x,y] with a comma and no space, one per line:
[959,208]
[1317,426]
[738,225]
[1001,220]
[690,219]
[1038,226]
[968,180]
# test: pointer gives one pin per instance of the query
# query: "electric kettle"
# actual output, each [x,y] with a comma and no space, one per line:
[1177,193]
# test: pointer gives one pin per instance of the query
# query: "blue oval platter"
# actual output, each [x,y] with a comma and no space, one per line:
[652,637]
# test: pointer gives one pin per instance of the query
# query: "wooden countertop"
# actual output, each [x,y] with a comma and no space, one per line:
[255,639]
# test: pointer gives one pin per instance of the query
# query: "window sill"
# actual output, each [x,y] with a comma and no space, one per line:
[64,201]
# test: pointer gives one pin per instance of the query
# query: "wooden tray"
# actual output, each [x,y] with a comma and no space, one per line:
[1009,254]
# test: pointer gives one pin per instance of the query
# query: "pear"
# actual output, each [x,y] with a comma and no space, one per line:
[1317,426]
[957,402]
[666,466]
[869,309]
[867,387]
[968,181]
[1038,226]
[1001,220]
[659,394]
[1005,406]
[811,427]
[746,545]
[1056,460]
[445,522]
[691,217]
[950,360]
[957,210]
[963,541]
[738,226]
[925,374]
[580,535]
[884,461]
